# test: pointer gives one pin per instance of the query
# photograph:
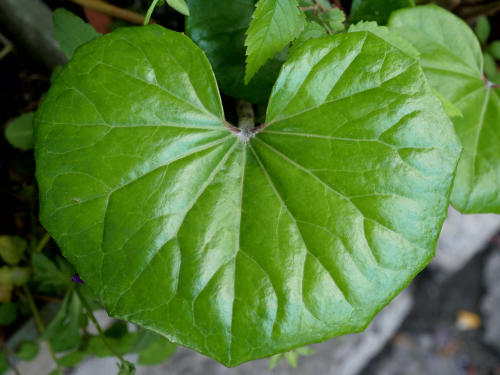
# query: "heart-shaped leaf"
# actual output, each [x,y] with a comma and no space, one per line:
[236,249]
[453,62]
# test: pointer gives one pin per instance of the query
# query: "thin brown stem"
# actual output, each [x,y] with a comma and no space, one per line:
[112,10]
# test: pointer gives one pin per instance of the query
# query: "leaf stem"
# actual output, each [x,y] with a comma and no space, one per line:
[43,242]
[150,12]
[112,10]
[91,316]
[40,325]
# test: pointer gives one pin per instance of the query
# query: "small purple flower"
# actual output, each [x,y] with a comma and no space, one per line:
[76,279]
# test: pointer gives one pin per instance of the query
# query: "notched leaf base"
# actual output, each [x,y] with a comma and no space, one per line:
[241,250]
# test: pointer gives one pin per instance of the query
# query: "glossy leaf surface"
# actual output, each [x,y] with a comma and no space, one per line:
[243,250]
[220,32]
[275,23]
[453,62]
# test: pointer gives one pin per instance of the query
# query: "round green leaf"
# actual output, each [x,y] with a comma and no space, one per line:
[12,249]
[453,62]
[19,132]
[241,250]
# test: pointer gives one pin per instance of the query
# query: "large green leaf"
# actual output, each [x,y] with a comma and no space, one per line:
[376,10]
[240,250]
[275,23]
[453,62]
[220,32]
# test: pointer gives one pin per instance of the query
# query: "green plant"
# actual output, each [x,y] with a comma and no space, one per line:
[296,220]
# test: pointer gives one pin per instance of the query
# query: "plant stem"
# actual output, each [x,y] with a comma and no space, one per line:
[150,12]
[40,325]
[43,242]
[91,316]
[112,10]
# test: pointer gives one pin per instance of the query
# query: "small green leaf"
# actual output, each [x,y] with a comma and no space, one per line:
[305,350]
[274,361]
[483,29]
[126,368]
[213,234]
[8,313]
[51,276]
[312,30]
[12,249]
[73,358]
[27,351]
[490,65]
[494,49]
[376,10]
[71,31]
[451,110]
[19,132]
[292,358]
[274,25]
[14,276]
[180,6]
[122,345]
[64,330]
[159,350]
[220,32]
[335,19]
[458,77]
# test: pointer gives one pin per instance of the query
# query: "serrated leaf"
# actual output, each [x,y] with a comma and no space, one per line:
[483,29]
[63,332]
[376,10]
[220,32]
[274,25]
[453,63]
[19,132]
[180,6]
[385,33]
[12,249]
[71,31]
[241,250]
[27,351]
[335,19]
[312,30]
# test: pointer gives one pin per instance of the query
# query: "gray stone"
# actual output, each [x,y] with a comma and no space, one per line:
[461,238]
[490,305]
